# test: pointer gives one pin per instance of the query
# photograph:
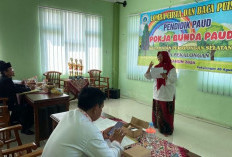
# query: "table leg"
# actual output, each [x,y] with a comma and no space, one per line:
[36,120]
[67,106]
[66,89]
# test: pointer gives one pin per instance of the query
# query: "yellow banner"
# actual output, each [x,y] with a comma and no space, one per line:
[197,36]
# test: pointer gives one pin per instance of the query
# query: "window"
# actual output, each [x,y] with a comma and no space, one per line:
[216,83]
[134,71]
[65,35]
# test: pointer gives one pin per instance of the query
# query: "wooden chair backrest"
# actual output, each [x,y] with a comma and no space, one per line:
[35,153]
[53,77]
[5,135]
[95,75]
[4,113]
[19,150]
[99,82]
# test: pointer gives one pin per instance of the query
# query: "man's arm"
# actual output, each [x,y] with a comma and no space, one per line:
[99,147]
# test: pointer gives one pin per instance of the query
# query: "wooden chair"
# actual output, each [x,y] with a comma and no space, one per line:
[5,135]
[53,77]
[97,81]
[4,113]
[20,150]
[3,101]
[17,151]
[34,153]
[1,145]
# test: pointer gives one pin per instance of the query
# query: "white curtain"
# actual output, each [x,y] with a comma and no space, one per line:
[65,34]
[134,72]
[216,83]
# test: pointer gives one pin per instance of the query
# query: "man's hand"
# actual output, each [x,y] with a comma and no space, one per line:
[105,133]
[118,135]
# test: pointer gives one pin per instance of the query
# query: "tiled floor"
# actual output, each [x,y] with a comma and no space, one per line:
[202,138]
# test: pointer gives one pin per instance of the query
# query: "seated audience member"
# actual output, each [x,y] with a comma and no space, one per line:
[21,113]
[76,135]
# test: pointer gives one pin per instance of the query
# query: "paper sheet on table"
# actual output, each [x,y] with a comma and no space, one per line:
[127,141]
[19,95]
[28,92]
[155,72]
[104,123]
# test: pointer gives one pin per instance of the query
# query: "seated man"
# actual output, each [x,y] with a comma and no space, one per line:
[76,135]
[20,112]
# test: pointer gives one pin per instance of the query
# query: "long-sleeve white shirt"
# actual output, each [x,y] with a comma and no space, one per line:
[77,136]
[167,92]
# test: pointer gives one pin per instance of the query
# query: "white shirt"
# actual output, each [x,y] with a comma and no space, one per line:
[77,136]
[167,92]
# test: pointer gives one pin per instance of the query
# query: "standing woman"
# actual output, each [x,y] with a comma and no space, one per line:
[164,94]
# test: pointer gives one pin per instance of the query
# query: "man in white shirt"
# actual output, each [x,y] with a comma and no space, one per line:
[77,136]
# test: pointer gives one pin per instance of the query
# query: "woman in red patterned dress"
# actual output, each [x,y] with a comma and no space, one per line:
[164,94]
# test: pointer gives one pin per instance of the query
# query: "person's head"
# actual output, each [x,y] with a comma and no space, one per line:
[6,69]
[91,100]
[163,57]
